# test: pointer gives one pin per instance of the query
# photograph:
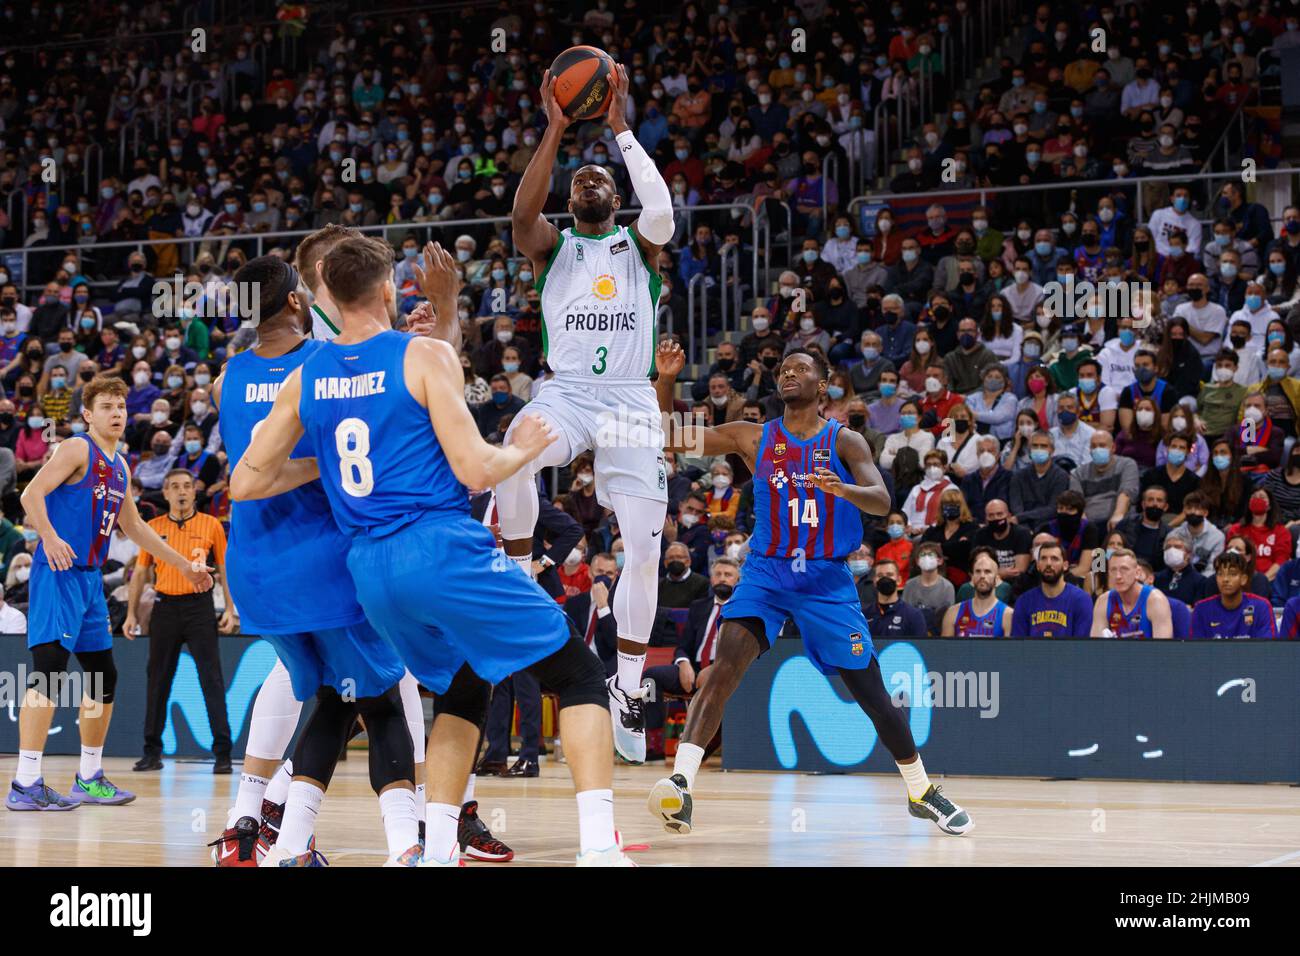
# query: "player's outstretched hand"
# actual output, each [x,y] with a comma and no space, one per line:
[531,435]
[828,481]
[420,321]
[198,575]
[437,278]
[59,553]
[669,358]
[618,86]
[554,112]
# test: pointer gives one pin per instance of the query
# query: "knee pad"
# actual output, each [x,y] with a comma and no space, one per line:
[574,674]
[100,673]
[49,669]
[392,755]
[324,737]
[467,697]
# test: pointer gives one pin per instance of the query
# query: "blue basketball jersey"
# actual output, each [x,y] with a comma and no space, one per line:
[83,513]
[793,517]
[380,462]
[970,624]
[1133,624]
[287,559]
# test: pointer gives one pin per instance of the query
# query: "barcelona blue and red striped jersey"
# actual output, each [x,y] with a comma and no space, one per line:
[83,513]
[792,517]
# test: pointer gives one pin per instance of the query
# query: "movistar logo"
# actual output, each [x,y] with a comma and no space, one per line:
[241,690]
[841,731]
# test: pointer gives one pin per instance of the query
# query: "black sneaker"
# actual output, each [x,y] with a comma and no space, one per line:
[477,841]
[949,817]
[670,803]
[269,832]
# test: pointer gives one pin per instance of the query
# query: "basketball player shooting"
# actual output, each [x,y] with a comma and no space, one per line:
[599,287]
[811,478]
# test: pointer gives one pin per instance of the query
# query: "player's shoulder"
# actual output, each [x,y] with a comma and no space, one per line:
[1212,599]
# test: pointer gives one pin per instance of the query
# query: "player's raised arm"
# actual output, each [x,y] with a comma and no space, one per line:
[138,530]
[869,494]
[440,284]
[739,438]
[68,458]
[533,235]
[654,227]
[437,381]
[266,469]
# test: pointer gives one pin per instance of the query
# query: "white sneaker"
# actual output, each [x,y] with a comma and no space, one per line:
[614,856]
[627,712]
[670,803]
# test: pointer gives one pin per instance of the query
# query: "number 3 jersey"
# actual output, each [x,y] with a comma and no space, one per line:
[83,513]
[380,462]
[793,518]
[599,299]
[286,559]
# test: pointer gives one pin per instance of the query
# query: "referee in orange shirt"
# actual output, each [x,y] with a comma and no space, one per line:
[182,616]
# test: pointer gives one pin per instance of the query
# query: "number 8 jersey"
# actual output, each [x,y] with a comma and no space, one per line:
[599,299]
[792,517]
[380,462]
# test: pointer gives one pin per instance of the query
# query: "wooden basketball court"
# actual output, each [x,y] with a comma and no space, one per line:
[742,819]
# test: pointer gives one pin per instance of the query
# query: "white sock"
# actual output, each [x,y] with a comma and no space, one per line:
[301,807]
[441,831]
[92,759]
[629,672]
[29,767]
[401,819]
[525,561]
[419,794]
[595,820]
[248,799]
[687,762]
[469,790]
[277,791]
[915,777]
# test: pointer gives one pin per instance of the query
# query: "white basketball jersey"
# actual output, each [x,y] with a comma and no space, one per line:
[599,299]
[322,326]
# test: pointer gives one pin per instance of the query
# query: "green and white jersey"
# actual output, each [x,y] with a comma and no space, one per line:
[322,326]
[599,299]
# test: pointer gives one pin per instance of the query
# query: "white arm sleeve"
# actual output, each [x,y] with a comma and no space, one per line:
[656,220]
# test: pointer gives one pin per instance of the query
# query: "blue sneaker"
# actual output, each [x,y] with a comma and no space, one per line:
[98,789]
[37,797]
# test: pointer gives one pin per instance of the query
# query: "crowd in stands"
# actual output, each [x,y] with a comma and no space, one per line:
[1156,413]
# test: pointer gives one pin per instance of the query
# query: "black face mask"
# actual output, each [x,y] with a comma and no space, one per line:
[1068,524]
[6,420]
[997,527]
[87,376]
[771,361]
[950,512]
[1196,295]
[886,586]
[960,426]
[65,346]
[723,591]
[1195,521]
[726,364]
[857,421]
[676,568]
[941,313]
[1153,513]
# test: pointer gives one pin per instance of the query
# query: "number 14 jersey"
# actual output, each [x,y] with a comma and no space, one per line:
[793,518]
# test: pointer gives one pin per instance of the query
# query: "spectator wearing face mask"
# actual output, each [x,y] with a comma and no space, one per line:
[722,498]
[1180,579]
[928,591]
[911,277]
[921,509]
[680,586]
[1259,445]
[580,502]
[887,614]
[503,403]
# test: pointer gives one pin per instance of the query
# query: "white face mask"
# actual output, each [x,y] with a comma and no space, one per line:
[689,520]
[734,551]
[141,379]
[574,558]
[22,574]
[1145,418]
[1175,557]
[158,417]
[138,351]
[198,408]
[987,460]
[807,325]
[1222,373]
[1254,414]
[927,562]
[1026,431]
[922,347]
[504,336]
[718,400]
[1178,424]
[583,478]
[759,323]
[721,482]
[933,473]
[932,384]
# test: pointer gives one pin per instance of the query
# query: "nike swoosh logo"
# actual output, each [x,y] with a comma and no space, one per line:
[655,534]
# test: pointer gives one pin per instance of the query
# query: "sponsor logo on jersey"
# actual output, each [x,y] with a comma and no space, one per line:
[778,479]
[600,322]
[618,247]
[821,454]
[604,287]
[779,449]
[351,386]
[1248,615]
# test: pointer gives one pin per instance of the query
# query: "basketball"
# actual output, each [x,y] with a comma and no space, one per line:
[581,75]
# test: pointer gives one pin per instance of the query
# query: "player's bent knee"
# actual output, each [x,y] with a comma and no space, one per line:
[101,675]
[574,674]
[49,669]
[324,737]
[391,751]
[466,697]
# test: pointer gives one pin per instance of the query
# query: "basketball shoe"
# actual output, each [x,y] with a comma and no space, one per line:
[237,846]
[670,802]
[477,841]
[279,856]
[37,796]
[949,817]
[628,714]
[98,789]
